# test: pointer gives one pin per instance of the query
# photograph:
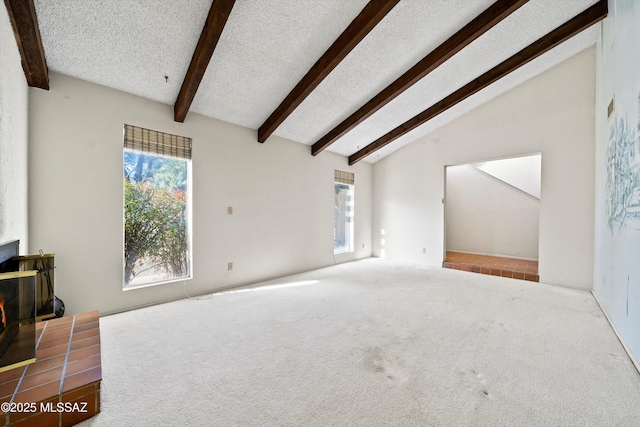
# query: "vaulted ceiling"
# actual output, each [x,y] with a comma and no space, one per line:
[331,74]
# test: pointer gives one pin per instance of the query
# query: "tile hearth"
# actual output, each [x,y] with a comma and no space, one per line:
[495,266]
[63,386]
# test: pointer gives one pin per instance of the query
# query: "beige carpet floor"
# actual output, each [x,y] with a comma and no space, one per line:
[370,343]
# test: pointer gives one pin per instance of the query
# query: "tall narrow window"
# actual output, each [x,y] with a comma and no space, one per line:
[157,206]
[343,212]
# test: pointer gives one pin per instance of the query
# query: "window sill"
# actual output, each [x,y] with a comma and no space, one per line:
[148,285]
[343,251]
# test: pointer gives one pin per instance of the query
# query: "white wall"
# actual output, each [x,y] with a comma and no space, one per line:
[282,198]
[551,114]
[408,219]
[524,173]
[616,281]
[484,216]
[13,139]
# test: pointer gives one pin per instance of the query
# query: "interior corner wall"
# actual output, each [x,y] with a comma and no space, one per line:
[13,139]
[616,281]
[551,114]
[282,198]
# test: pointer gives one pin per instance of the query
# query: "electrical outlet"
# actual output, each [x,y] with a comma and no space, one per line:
[424,250]
[363,246]
[229,266]
[229,210]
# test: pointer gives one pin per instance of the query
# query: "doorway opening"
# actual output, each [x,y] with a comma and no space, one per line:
[492,217]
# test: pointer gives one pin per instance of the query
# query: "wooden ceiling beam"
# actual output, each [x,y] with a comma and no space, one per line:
[368,18]
[22,14]
[474,29]
[580,22]
[216,20]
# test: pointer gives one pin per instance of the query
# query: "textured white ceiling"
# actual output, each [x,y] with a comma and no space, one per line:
[268,46]
[129,45]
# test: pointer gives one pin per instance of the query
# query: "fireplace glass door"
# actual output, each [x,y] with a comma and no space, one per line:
[17,318]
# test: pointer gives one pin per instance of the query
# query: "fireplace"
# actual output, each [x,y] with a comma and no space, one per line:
[7,331]
[17,303]
[17,313]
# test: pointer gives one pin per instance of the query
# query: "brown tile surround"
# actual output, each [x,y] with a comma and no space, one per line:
[66,375]
[495,266]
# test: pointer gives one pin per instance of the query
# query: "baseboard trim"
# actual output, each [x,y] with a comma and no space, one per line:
[493,255]
[615,330]
[232,287]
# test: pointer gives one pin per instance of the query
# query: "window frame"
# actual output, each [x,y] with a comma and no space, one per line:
[188,215]
[348,183]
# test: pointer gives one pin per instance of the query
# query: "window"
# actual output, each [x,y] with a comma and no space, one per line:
[343,212]
[157,206]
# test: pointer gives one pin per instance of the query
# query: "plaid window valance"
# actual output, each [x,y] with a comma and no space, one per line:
[152,141]
[344,177]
